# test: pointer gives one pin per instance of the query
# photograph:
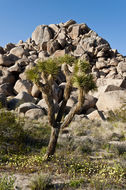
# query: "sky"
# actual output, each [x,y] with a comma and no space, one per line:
[19,18]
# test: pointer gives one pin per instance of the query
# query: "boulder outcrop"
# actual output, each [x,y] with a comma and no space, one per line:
[108,67]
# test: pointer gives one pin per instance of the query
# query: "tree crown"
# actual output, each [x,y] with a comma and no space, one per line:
[81,75]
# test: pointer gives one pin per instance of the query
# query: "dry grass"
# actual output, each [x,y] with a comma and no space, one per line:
[86,155]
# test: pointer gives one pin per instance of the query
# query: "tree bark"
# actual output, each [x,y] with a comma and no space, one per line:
[53,142]
[51,114]
[76,109]
[67,92]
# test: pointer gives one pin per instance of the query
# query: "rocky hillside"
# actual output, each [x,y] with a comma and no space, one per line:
[91,153]
[108,68]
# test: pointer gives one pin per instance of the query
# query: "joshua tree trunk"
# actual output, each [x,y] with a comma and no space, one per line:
[55,130]
[53,142]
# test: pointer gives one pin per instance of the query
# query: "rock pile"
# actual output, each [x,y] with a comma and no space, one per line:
[108,67]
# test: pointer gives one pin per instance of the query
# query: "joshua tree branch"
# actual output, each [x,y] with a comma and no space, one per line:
[44,78]
[67,92]
[66,70]
[51,111]
[46,89]
[76,109]
[41,86]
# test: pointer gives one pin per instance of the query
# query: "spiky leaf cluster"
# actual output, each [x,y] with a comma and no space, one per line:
[68,59]
[82,78]
[82,67]
[47,67]
[33,75]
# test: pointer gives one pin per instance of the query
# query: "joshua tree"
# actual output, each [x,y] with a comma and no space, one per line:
[44,75]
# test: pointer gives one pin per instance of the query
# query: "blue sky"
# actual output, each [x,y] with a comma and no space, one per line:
[19,18]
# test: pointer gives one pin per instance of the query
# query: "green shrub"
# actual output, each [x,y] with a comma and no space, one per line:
[7,183]
[12,135]
[41,182]
[19,136]
[75,183]
[118,115]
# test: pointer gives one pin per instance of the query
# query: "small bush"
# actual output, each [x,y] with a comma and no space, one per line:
[12,135]
[118,115]
[16,138]
[7,183]
[75,183]
[41,182]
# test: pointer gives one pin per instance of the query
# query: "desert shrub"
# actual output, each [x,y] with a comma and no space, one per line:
[38,134]
[18,135]
[12,134]
[75,183]
[100,184]
[41,182]
[7,183]
[118,115]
